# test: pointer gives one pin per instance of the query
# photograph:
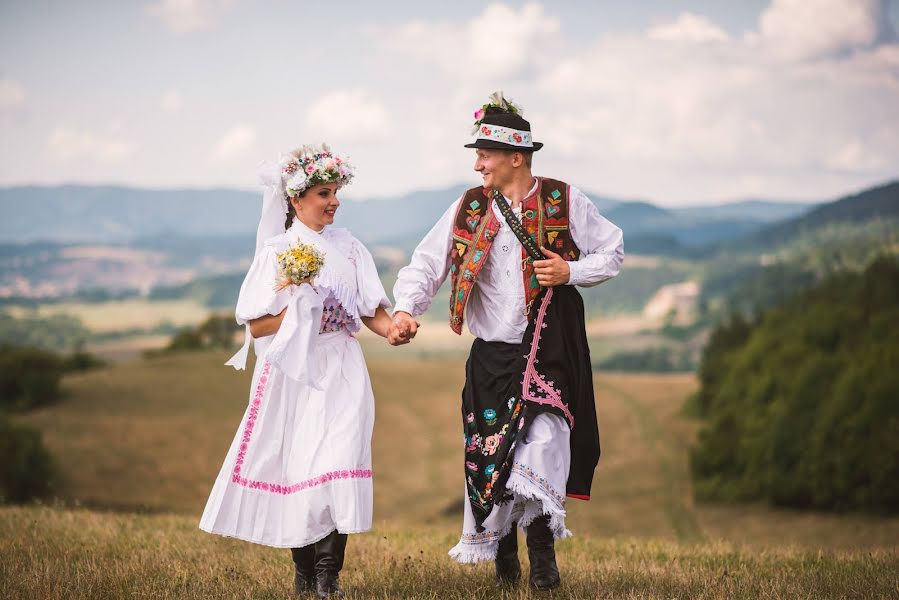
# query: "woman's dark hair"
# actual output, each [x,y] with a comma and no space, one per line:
[291,213]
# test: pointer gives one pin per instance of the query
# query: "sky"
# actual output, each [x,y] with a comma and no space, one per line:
[674,101]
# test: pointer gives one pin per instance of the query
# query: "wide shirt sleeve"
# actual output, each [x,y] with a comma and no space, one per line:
[600,241]
[418,282]
[258,295]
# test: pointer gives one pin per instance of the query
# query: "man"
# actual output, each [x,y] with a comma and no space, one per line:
[515,247]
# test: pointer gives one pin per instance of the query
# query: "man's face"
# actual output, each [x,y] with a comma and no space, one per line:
[495,167]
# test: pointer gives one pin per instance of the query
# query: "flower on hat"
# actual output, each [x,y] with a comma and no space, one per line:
[498,103]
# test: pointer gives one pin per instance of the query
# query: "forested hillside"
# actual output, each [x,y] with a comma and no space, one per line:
[802,404]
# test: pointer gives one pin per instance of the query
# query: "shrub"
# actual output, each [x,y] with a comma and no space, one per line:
[29,377]
[26,471]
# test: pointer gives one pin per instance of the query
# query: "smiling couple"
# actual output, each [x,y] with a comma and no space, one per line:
[298,473]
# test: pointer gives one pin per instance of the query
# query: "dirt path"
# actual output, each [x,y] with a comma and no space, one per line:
[669,456]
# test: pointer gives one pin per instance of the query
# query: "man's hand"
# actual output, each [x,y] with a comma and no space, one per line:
[403,329]
[553,271]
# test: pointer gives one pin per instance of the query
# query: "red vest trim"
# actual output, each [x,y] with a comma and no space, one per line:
[544,216]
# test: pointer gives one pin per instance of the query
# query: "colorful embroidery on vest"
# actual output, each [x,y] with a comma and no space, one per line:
[544,218]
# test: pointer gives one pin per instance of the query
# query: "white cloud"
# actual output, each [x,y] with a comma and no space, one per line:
[171,102]
[679,112]
[500,43]
[68,144]
[12,94]
[235,143]
[185,16]
[803,29]
[347,115]
[689,28]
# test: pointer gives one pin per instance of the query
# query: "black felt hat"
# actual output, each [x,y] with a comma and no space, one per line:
[503,130]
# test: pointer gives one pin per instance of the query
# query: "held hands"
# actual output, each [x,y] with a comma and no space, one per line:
[403,329]
[553,271]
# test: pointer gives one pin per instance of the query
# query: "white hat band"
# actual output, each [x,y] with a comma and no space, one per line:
[506,135]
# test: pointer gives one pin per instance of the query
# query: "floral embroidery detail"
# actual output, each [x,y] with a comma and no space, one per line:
[471,466]
[470,248]
[491,443]
[490,416]
[334,316]
[277,488]
[488,470]
[469,418]
[506,135]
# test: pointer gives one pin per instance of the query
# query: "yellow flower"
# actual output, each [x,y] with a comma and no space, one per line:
[300,263]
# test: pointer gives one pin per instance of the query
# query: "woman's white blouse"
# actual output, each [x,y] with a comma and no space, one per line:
[259,297]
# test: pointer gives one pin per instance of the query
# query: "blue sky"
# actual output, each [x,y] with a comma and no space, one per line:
[679,102]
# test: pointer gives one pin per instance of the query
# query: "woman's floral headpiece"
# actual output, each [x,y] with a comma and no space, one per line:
[496,104]
[313,165]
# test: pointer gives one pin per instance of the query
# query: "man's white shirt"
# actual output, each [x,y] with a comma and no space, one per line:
[495,309]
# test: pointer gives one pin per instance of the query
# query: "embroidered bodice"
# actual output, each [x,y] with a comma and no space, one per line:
[334,316]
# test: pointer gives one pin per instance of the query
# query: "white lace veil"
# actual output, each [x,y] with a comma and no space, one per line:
[271,223]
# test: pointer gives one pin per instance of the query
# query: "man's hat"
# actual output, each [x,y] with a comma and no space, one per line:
[500,126]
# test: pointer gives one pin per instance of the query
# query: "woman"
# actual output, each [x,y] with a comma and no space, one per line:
[298,473]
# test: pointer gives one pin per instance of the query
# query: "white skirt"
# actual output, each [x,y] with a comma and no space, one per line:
[537,482]
[300,464]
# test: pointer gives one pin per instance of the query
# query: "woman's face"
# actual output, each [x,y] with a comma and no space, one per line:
[316,208]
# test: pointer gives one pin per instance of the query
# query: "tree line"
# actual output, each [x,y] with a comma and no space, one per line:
[801,401]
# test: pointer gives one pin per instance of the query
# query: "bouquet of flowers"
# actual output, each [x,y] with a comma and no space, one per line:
[300,263]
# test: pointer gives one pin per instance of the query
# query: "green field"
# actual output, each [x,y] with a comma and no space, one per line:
[140,443]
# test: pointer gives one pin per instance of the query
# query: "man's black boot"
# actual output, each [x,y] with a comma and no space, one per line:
[328,563]
[304,569]
[508,569]
[542,554]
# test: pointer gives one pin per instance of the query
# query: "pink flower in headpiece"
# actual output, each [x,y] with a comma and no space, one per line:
[310,168]
[479,114]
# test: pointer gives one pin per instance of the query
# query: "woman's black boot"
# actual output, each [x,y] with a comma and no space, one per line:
[304,569]
[542,554]
[508,568]
[328,563]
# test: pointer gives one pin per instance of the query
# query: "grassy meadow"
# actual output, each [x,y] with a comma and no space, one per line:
[139,444]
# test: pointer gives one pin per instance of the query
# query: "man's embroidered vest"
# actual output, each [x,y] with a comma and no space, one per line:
[544,217]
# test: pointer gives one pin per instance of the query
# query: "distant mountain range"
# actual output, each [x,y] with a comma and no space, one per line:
[110,214]
[878,203]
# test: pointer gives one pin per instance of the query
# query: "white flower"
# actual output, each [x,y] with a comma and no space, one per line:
[296,183]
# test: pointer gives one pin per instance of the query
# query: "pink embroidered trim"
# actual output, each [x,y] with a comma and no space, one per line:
[552,396]
[277,488]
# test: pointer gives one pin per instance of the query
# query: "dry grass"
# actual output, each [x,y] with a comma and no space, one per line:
[151,436]
[51,553]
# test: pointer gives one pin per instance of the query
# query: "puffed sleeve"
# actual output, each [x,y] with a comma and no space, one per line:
[258,296]
[370,291]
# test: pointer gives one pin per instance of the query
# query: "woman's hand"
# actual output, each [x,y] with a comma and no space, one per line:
[266,325]
[380,323]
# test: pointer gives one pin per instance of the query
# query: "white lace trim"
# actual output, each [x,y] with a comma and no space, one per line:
[534,502]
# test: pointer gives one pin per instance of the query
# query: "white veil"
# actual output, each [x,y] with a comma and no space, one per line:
[271,223]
